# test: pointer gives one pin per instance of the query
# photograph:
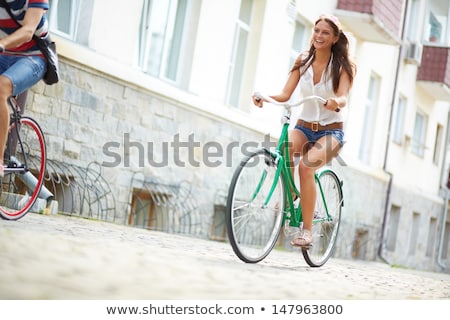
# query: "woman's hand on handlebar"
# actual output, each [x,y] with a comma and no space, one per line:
[257,101]
[332,104]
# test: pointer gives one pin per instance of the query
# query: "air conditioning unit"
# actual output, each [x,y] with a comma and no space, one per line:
[414,53]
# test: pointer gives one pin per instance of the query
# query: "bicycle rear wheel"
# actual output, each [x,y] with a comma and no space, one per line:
[255,207]
[25,163]
[327,217]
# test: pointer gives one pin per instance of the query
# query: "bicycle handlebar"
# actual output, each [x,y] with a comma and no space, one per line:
[260,96]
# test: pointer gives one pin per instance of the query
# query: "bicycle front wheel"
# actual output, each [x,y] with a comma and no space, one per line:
[327,217]
[25,162]
[255,207]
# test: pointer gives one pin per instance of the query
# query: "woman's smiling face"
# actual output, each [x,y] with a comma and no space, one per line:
[324,35]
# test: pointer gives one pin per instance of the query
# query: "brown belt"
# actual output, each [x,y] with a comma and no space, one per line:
[315,126]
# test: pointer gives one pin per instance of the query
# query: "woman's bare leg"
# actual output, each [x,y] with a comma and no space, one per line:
[322,152]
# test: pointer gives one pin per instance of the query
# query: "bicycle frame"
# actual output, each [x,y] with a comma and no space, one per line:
[281,155]
[15,139]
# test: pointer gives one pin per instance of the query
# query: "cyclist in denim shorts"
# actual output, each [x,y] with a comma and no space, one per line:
[21,62]
[327,71]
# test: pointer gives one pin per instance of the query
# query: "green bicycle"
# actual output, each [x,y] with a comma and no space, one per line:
[260,202]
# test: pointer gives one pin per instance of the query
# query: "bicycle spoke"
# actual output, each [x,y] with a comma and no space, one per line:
[253,219]
[326,219]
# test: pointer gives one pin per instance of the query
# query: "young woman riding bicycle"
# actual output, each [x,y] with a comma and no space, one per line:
[325,70]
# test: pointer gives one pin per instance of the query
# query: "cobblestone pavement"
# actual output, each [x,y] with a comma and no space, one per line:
[59,257]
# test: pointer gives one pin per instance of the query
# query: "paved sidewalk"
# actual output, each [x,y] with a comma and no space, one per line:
[58,257]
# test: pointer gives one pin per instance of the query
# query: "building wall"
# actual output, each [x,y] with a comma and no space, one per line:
[89,117]
[416,246]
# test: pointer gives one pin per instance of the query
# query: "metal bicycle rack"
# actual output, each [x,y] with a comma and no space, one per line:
[81,191]
[160,206]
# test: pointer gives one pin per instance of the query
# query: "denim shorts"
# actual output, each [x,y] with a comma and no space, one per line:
[313,136]
[23,71]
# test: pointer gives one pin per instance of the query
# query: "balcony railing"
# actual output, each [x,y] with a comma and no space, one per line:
[434,71]
[373,20]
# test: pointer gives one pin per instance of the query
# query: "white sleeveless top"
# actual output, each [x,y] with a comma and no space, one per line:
[314,110]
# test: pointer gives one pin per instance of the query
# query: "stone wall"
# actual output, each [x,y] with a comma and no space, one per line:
[88,117]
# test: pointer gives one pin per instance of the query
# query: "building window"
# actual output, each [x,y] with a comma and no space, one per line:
[162,206]
[71,19]
[445,244]
[360,244]
[298,42]
[432,232]
[414,16]
[369,120]
[419,135]
[437,28]
[161,35]
[239,53]
[414,236]
[147,213]
[392,228]
[438,144]
[399,124]
[218,226]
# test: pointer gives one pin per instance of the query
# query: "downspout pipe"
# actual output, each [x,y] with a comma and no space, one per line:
[441,238]
[385,214]
[388,137]
[446,199]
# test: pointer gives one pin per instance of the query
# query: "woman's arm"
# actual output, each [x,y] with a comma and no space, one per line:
[340,99]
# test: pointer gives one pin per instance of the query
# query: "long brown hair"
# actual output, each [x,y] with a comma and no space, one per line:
[340,53]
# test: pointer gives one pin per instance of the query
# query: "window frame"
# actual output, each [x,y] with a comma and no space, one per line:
[173,35]
[370,108]
[419,138]
[414,14]
[238,56]
[73,17]
[398,133]
[79,17]
[433,34]
[393,227]
[218,230]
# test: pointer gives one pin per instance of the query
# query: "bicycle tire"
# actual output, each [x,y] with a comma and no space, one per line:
[325,230]
[253,220]
[20,189]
